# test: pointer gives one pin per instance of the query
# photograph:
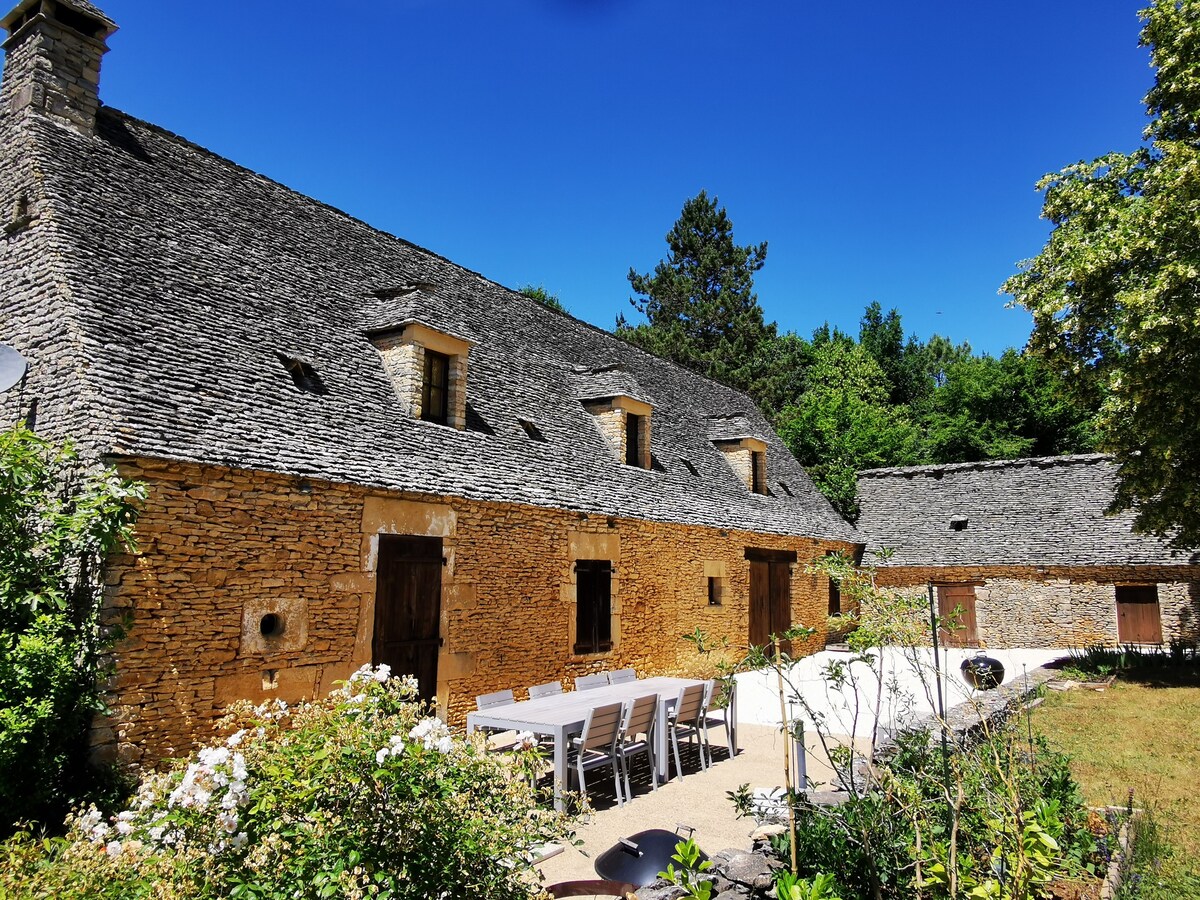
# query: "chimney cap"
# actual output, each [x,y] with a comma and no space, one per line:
[28,8]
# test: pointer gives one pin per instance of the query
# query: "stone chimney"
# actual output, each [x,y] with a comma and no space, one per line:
[52,60]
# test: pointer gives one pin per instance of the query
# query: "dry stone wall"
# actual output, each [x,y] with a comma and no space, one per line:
[220,549]
[1018,606]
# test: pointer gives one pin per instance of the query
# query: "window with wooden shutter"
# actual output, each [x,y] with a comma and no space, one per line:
[593,606]
[435,388]
[758,472]
[633,440]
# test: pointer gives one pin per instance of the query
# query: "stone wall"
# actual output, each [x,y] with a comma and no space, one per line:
[1057,606]
[219,549]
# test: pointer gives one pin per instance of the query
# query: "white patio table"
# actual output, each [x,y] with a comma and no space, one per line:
[561,716]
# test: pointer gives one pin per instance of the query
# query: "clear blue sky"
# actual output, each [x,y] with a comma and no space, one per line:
[886,151]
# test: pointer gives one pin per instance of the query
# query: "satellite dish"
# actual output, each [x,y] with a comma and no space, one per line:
[12,367]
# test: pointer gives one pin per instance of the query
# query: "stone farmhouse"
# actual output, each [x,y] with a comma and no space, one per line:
[1024,550]
[355,450]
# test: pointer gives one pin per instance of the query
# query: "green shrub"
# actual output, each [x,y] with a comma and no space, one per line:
[55,528]
[359,795]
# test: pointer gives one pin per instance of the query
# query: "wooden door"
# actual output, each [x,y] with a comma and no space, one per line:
[1139,620]
[760,603]
[770,597]
[956,605]
[408,595]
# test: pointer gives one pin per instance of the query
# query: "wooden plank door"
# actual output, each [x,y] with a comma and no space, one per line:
[1139,620]
[408,600]
[781,601]
[770,600]
[960,597]
[760,603]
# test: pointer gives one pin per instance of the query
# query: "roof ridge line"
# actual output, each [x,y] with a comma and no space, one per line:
[1067,459]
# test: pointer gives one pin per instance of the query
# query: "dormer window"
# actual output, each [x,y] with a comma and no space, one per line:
[625,424]
[748,459]
[612,395]
[428,369]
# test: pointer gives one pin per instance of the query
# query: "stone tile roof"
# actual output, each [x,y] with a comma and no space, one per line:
[191,277]
[601,382]
[732,427]
[1047,511]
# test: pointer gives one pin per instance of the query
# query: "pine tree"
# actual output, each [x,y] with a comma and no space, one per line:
[699,303]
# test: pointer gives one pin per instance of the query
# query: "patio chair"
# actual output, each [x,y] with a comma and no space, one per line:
[491,701]
[685,721]
[622,676]
[587,682]
[597,745]
[496,698]
[720,711]
[637,736]
[545,690]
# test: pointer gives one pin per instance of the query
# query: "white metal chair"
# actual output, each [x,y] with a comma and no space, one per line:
[491,701]
[720,711]
[587,682]
[685,721]
[597,745]
[622,676]
[496,698]
[545,690]
[637,736]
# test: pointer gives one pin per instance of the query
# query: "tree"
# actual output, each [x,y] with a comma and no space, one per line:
[1013,406]
[699,303]
[539,293]
[1114,291]
[55,528]
[902,362]
[843,422]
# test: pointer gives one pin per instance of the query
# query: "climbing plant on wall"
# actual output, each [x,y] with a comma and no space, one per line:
[56,525]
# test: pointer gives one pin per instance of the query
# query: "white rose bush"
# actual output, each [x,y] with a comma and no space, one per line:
[363,794]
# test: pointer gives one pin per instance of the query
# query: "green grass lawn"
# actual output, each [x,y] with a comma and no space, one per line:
[1141,734]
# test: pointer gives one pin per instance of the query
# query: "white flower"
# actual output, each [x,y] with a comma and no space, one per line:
[113,848]
[525,741]
[382,673]
[214,756]
[380,755]
[124,829]
[238,770]
[445,744]
[228,821]
[238,841]
[236,738]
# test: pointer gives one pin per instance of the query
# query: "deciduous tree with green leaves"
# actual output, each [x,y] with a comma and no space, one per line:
[55,528]
[843,422]
[1115,291]
[699,303]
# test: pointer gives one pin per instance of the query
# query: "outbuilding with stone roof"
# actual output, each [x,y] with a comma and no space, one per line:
[1027,554]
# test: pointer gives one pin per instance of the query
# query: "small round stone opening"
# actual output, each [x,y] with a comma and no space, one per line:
[271,625]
